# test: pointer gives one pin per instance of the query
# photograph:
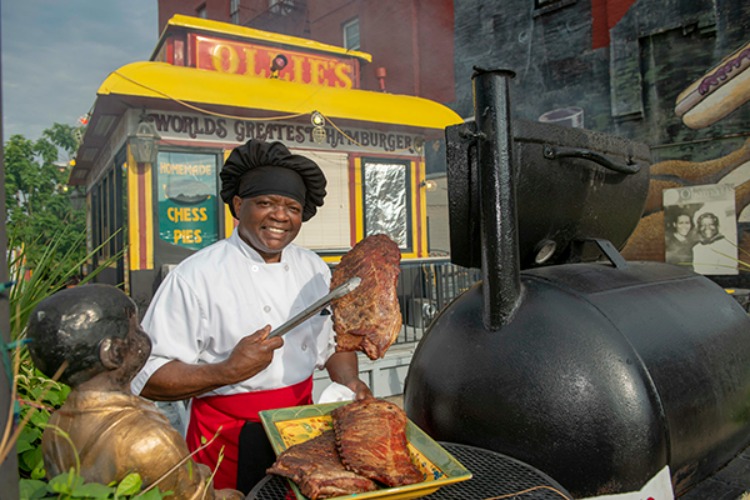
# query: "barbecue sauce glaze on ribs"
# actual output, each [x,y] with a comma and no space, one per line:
[371,441]
[369,318]
[316,468]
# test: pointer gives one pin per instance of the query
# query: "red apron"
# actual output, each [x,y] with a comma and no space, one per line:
[230,413]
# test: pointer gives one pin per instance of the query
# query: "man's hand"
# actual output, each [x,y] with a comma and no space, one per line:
[343,368]
[251,355]
[361,391]
[177,380]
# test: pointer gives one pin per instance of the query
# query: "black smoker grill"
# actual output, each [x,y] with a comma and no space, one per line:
[597,371]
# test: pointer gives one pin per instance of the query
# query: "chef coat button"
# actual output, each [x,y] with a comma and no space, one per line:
[267,308]
[304,347]
[286,267]
[254,268]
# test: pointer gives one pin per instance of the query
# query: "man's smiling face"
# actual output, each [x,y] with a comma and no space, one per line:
[708,227]
[268,223]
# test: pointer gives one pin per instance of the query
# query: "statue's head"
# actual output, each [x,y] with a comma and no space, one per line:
[94,328]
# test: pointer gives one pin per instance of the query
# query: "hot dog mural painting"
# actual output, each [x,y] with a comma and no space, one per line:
[722,90]
[725,88]
[673,75]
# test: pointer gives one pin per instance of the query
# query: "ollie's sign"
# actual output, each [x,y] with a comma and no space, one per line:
[240,58]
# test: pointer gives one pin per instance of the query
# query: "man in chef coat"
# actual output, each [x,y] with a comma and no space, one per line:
[210,318]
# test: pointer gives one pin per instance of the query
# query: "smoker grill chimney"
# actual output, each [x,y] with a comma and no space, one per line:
[498,222]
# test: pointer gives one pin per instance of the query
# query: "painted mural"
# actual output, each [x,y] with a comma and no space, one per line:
[671,74]
[722,90]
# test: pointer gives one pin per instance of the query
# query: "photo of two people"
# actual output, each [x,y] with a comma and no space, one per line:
[701,229]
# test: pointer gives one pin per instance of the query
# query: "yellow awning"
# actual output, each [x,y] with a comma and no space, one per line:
[159,85]
[195,86]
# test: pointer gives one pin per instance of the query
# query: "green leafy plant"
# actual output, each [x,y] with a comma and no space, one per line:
[34,390]
[71,486]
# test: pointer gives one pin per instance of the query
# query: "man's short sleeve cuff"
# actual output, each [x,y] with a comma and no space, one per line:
[140,380]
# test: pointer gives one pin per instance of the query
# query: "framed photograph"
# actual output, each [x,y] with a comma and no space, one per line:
[700,228]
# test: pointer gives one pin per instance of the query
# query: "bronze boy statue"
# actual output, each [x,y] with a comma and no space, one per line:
[95,329]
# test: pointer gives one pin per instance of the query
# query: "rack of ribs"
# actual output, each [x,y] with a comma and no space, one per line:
[369,318]
[371,440]
[316,468]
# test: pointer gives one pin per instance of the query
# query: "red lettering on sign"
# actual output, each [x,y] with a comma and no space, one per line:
[237,58]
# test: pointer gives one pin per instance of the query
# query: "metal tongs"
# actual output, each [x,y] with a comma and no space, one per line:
[315,308]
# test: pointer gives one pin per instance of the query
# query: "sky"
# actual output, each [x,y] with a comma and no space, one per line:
[56,54]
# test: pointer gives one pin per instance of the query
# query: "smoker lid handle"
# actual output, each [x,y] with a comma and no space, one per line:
[553,153]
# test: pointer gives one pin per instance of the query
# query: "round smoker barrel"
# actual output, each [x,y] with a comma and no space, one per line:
[601,378]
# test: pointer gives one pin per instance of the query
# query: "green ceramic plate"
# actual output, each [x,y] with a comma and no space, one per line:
[289,426]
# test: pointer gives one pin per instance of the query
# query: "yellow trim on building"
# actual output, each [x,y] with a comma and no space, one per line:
[358,214]
[229,220]
[148,200]
[136,249]
[414,222]
[134,253]
[422,207]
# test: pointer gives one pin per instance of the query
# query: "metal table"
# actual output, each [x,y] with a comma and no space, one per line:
[493,475]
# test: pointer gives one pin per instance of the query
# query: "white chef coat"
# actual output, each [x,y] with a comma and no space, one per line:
[226,291]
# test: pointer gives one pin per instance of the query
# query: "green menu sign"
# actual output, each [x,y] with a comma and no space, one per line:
[188,207]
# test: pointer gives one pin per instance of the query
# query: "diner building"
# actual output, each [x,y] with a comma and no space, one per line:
[160,130]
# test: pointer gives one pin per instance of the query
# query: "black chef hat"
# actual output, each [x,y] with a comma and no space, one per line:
[255,154]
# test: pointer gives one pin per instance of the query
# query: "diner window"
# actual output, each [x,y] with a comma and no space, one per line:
[188,199]
[234,11]
[386,199]
[351,35]
[107,219]
[331,226]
